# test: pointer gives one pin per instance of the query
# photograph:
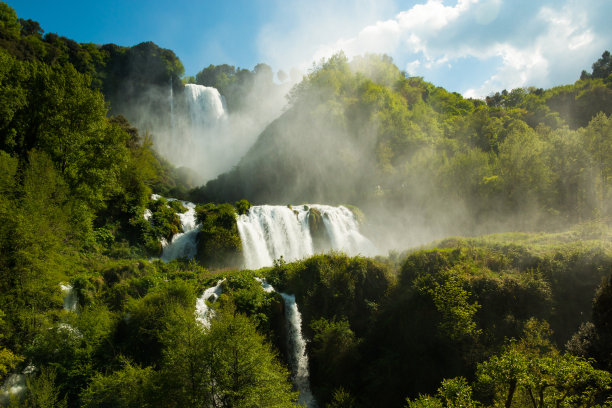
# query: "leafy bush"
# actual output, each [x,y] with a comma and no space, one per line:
[219,243]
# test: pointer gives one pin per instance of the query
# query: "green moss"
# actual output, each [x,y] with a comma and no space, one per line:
[318,232]
[177,206]
[164,223]
[219,242]
[242,207]
[165,219]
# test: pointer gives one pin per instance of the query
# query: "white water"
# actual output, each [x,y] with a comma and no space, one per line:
[296,347]
[70,298]
[343,230]
[207,137]
[206,106]
[15,386]
[269,232]
[203,312]
[183,244]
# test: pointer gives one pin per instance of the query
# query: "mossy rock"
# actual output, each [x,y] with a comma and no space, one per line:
[164,223]
[177,206]
[320,237]
[242,207]
[219,244]
[153,247]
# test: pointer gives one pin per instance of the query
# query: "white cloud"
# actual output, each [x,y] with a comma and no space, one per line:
[297,30]
[522,42]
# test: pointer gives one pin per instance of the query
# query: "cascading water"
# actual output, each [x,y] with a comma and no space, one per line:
[203,312]
[15,386]
[183,244]
[298,351]
[296,347]
[206,105]
[269,232]
[70,298]
[205,135]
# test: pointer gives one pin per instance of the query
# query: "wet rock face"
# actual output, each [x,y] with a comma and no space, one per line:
[277,324]
[320,237]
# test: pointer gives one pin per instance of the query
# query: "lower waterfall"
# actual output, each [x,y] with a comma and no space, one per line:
[203,312]
[296,347]
[71,300]
[268,232]
[15,386]
[183,244]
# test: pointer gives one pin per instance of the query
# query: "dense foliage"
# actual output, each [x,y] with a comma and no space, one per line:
[218,241]
[532,158]
[383,330]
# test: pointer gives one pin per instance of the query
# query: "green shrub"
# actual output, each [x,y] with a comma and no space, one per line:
[242,206]
[219,242]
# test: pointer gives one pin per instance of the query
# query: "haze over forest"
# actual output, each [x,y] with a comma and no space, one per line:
[341,233]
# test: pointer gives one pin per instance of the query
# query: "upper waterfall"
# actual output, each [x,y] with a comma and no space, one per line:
[206,106]
[269,232]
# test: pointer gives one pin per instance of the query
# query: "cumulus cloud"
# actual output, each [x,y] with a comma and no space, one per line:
[295,31]
[520,42]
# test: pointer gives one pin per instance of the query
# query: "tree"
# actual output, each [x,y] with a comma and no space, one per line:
[602,68]
[453,393]
[334,348]
[8,360]
[602,313]
[9,24]
[130,387]
[74,131]
[218,240]
[228,364]
[595,339]
[535,374]
[524,175]
[598,141]
[43,391]
[452,302]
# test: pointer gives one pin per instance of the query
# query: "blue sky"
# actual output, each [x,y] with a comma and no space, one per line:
[474,47]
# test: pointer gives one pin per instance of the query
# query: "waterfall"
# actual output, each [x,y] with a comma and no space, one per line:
[70,298]
[15,386]
[206,142]
[206,106]
[343,230]
[203,312]
[269,232]
[183,244]
[296,347]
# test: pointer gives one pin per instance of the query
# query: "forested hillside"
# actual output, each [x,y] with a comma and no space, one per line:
[91,316]
[361,132]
